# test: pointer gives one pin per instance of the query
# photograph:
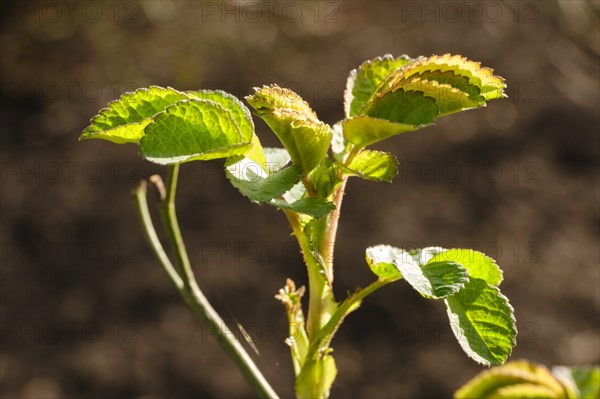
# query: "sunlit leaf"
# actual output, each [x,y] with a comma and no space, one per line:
[315,207]
[366,130]
[417,93]
[516,379]
[580,382]
[254,183]
[304,136]
[124,120]
[483,322]
[241,115]
[477,264]
[325,178]
[192,130]
[373,165]
[363,80]
[382,260]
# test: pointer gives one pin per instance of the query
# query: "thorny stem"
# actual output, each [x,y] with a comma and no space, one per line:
[328,243]
[322,306]
[187,286]
[320,294]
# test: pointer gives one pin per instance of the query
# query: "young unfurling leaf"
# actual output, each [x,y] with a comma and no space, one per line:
[523,379]
[304,136]
[363,80]
[418,92]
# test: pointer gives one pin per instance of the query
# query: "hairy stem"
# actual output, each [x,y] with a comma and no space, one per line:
[188,288]
[329,238]
[321,301]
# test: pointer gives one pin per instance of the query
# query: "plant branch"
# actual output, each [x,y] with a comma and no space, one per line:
[344,309]
[188,288]
[167,212]
[328,242]
[141,203]
[329,238]
[321,299]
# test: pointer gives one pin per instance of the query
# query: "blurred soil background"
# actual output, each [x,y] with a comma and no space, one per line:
[86,312]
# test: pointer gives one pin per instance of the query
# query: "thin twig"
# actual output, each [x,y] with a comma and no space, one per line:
[141,202]
[188,287]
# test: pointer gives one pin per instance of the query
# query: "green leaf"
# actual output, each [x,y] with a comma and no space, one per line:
[339,145]
[483,322]
[524,391]
[124,120]
[382,260]
[316,377]
[516,379]
[276,158]
[239,112]
[254,183]
[459,72]
[435,279]
[295,193]
[363,81]
[374,165]
[424,255]
[241,115]
[259,186]
[418,102]
[304,136]
[365,130]
[416,94]
[477,264]
[325,178]
[315,207]
[580,382]
[406,106]
[192,130]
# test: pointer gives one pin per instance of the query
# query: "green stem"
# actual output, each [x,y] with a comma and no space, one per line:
[141,203]
[310,188]
[321,301]
[330,235]
[169,217]
[188,288]
[344,309]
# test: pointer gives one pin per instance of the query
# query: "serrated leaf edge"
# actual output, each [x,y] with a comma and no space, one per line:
[195,156]
[348,96]
[480,360]
[86,134]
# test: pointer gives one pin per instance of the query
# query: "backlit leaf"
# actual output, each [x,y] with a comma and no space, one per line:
[363,80]
[516,379]
[192,130]
[483,322]
[304,136]
[124,120]
[373,165]
[477,264]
